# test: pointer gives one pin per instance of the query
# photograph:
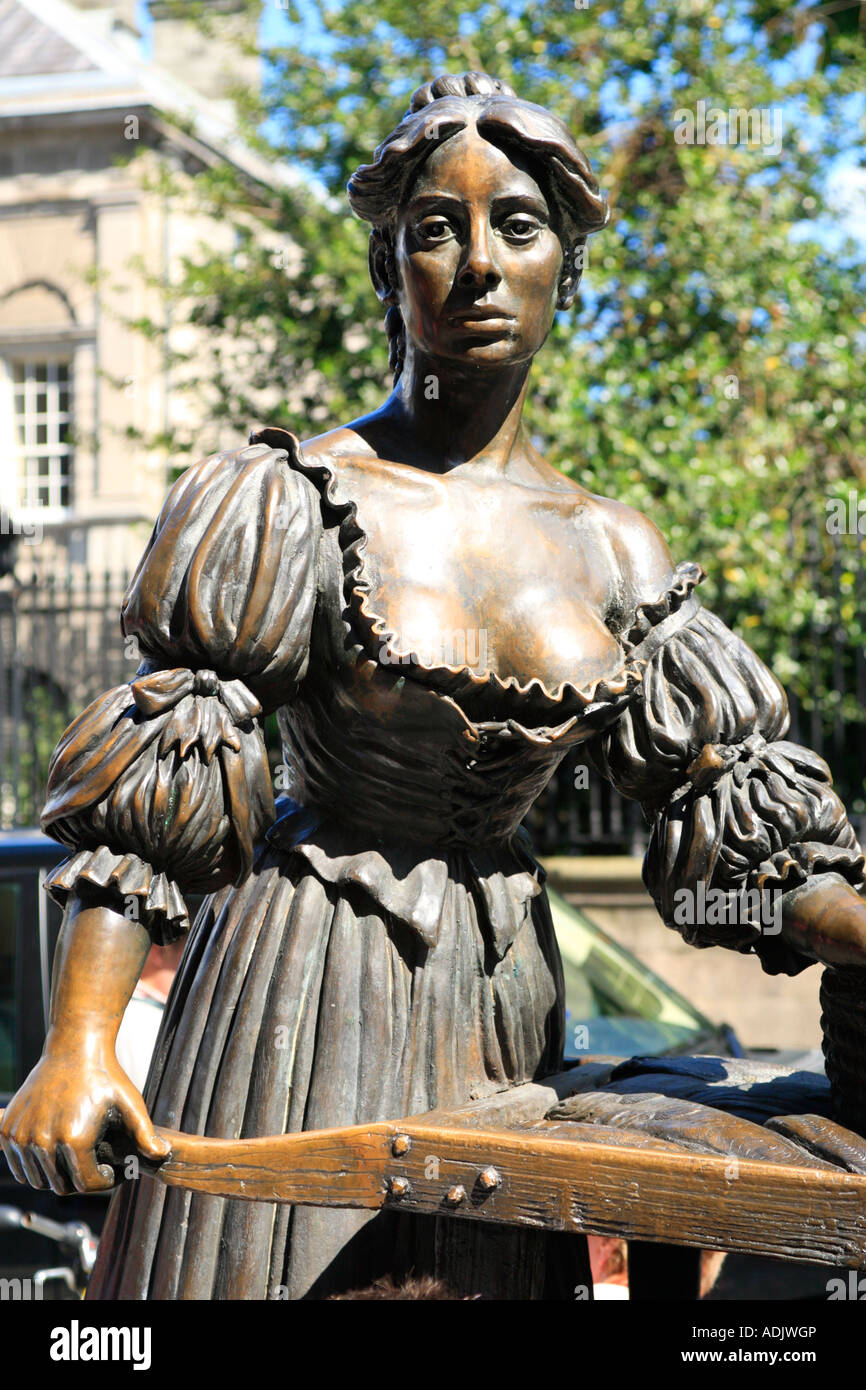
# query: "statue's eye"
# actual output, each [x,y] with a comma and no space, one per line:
[434,229]
[520,227]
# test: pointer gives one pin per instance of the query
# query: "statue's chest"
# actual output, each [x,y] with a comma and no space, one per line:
[498,579]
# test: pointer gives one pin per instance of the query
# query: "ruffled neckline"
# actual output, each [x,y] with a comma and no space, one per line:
[461,683]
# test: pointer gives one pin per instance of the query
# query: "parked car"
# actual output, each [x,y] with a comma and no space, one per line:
[616,1006]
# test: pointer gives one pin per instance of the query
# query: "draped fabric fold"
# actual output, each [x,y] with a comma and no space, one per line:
[163,786]
[410,883]
[734,806]
[228,579]
[158,786]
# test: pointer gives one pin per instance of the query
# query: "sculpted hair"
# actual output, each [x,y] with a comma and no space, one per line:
[441,109]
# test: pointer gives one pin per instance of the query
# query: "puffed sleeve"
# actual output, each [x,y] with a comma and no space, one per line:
[162,786]
[734,807]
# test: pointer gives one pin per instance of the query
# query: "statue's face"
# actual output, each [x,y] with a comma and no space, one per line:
[477,259]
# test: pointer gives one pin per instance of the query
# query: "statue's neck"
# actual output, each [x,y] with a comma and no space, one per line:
[457,416]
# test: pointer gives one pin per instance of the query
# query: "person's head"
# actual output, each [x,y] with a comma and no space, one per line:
[424,1288]
[480,205]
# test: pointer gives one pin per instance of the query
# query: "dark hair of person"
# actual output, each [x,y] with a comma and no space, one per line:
[423,1288]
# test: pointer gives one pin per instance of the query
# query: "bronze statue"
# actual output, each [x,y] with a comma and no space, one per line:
[437,616]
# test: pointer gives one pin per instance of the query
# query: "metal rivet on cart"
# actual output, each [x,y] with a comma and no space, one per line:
[489,1179]
[400,1187]
[401,1145]
[454,1196]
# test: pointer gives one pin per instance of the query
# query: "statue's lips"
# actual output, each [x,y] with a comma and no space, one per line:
[484,320]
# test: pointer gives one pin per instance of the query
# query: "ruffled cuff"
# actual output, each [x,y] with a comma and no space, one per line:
[128,884]
[753,816]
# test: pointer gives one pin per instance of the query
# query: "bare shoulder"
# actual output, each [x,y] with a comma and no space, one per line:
[335,442]
[634,547]
[351,456]
[637,545]
[344,442]
[629,546]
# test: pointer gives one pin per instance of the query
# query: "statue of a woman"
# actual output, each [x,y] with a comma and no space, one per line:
[437,616]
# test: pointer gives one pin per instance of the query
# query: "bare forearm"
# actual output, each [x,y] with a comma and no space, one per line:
[53,1124]
[825,919]
[100,956]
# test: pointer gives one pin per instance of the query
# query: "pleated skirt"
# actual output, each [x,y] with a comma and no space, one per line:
[300,1005]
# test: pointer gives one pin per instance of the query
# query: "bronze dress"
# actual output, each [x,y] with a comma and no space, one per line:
[380,944]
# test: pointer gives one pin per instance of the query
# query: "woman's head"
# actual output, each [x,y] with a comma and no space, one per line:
[480,205]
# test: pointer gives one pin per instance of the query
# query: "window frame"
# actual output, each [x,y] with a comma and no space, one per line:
[31,356]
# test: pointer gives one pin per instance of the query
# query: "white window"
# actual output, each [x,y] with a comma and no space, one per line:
[42,412]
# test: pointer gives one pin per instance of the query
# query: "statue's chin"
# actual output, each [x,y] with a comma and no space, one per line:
[484,352]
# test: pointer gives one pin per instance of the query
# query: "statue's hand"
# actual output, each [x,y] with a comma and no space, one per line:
[825,919]
[52,1126]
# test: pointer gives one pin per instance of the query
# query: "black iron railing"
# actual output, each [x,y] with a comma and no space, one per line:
[60,646]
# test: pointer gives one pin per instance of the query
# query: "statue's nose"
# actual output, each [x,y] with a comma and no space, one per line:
[479,270]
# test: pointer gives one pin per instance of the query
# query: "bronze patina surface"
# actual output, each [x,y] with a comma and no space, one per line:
[437,616]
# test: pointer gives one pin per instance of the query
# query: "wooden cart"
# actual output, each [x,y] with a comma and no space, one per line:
[674,1155]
